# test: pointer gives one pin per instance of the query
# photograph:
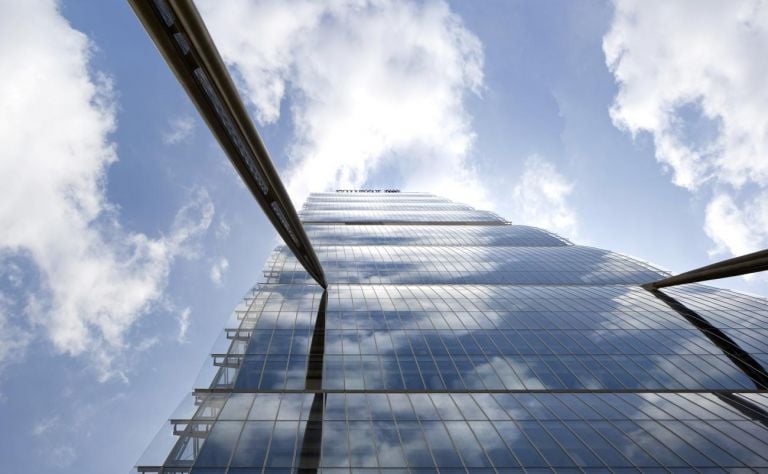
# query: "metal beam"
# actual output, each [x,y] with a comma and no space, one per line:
[182,38]
[740,357]
[750,263]
[314,379]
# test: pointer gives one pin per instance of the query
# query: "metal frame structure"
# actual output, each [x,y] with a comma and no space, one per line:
[180,34]
[750,263]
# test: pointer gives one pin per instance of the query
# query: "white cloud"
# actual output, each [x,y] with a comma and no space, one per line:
[14,339]
[13,274]
[64,455]
[540,198]
[96,278]
[692,74]
[45,425]
[223,229]
[179,129]
[145,343]
[184,322]
[739,229]
[218,269]
[373,84]
[68,429]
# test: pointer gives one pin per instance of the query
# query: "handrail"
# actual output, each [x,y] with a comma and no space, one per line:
[750,263]
[180,34]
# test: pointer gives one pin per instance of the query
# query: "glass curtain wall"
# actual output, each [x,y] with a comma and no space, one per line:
[450,340]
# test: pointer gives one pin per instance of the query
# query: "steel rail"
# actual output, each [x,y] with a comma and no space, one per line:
[750,263]
[180,34]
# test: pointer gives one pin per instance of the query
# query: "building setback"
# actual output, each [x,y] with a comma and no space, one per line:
[449,340]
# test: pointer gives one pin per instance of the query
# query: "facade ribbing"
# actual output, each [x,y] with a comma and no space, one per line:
[449,340]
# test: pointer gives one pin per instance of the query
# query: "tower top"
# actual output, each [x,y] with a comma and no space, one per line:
[367,190]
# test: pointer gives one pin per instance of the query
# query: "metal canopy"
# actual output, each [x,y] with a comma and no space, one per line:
[181,36]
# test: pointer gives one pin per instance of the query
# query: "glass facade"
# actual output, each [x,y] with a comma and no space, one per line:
[450,341]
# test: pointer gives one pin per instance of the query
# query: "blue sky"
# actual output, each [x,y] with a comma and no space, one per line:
[128,239]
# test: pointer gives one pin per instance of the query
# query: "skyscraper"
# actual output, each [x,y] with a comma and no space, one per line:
[449,340]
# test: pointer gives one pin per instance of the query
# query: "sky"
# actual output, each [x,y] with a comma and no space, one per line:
[633,125]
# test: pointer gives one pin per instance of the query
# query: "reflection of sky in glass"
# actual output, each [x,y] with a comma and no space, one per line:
[438,215]
[502,347]
[500,430]
[405,206]
[455,235]
[492,337]
[562,265]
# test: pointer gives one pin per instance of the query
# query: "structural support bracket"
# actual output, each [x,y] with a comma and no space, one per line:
[750,263]
[179,33]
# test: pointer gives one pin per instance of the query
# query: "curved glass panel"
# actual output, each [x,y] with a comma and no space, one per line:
[449,341]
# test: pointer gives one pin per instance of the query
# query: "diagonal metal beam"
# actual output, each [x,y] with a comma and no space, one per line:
[181,36]
[309,455]
[750,263]
[314,379]
[747,407]
[740,358]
